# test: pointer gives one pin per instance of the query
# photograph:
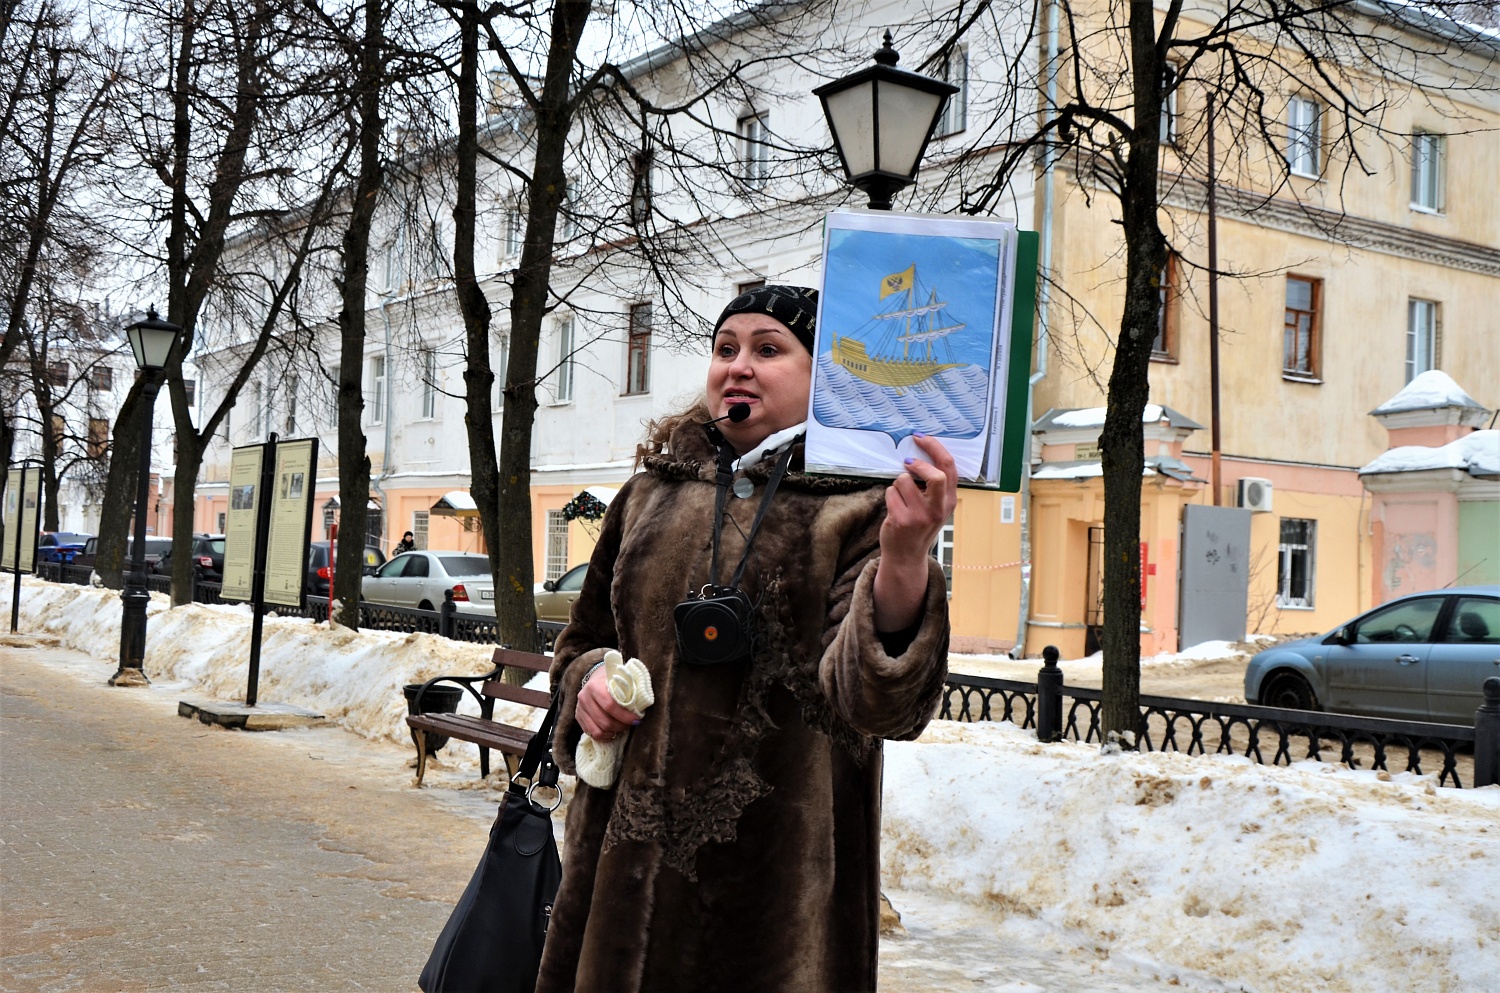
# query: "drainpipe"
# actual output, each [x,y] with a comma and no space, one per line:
[1044,297]
[385,458]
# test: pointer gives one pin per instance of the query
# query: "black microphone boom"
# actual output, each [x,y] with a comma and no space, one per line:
[737,412]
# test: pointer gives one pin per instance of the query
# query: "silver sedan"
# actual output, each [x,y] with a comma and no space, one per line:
[419,579]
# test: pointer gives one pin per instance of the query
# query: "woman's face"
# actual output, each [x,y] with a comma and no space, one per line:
[758,362]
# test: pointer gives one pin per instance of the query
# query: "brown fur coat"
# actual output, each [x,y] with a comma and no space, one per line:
[739,849]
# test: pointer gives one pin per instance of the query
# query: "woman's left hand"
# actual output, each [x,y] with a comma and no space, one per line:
[917,504]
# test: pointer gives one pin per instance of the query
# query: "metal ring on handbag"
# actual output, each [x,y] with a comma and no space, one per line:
[554,788]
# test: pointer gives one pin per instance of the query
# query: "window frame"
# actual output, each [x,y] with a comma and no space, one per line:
[57,374]
[555,555]
[420,526]
[955,119]
[428,386]
[638,350]
[377,390]
[753,153]
[942,551]
[1304,139]
[1314,331]
[1434,177]
[1168,129]
[1285,551]
[1166,315]
[102,377]
[562,390]
[1414,335]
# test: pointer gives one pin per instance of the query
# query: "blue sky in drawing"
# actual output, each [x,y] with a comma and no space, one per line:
[964,271]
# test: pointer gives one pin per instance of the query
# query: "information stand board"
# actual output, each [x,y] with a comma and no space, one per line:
[18,533]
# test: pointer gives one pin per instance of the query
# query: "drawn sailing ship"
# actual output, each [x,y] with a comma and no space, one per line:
[903,358]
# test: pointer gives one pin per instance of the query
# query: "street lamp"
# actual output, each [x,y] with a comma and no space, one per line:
[882,118]
[152,341]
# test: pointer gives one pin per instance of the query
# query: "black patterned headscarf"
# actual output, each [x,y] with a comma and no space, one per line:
[794,306]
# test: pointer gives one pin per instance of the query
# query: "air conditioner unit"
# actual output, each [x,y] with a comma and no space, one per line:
[1255,495]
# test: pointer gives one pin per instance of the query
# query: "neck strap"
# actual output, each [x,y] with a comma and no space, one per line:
[723,476]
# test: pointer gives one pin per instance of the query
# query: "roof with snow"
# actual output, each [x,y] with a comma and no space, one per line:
[1093,417]
[1432,390]
[1477,453]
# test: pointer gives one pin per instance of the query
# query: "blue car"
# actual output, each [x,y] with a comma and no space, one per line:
[1422,657]
[60,546]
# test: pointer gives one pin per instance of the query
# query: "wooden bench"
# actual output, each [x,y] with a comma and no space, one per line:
[484,730]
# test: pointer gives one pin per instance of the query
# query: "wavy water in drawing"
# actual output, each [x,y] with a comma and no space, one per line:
[950,404]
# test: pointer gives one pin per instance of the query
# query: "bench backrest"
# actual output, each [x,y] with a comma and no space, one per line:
[518,694]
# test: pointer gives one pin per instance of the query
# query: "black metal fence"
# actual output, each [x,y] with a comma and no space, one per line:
[1266,735]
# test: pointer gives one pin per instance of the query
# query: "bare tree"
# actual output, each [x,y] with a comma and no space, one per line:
[1101,115]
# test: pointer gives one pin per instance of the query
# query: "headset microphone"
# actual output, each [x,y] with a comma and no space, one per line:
[737,412]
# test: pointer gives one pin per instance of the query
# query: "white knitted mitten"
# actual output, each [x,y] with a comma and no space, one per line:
[629,683]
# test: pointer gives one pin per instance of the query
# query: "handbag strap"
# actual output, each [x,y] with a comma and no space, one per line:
[537,767]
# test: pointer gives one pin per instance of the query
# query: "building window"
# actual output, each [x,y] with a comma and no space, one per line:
[1169,105]
[257,408]
[98,437]
[942,550]
[59,432]
[101,377]
[956,71]
[1294,573]
[1164,345]
[1421,337]
[1427,154]
[641,166]
[1304,136]
[377,383]
[429,383]
[190,387]
[419,519]
[515,231]
[557,545]
[57,374]
[638,354]
[563,390]
[570,206]
[375,528]
[748,285]
[755,154]
[290,424]
[1300,346]
[501,360]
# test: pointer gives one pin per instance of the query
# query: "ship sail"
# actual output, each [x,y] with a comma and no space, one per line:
[901,368]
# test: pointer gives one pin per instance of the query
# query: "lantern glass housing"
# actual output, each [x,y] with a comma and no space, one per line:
[151,340]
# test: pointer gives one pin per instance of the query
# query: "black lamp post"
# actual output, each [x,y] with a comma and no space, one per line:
[152,341]
[882,118]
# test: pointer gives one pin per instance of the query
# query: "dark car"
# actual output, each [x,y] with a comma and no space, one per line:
[1422,657]
[207,551]
[318,572]
[155,549]
[61,546]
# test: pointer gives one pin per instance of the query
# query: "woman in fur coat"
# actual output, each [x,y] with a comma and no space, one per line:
[737,848]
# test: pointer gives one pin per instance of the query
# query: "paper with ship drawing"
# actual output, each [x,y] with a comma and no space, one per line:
[913,336]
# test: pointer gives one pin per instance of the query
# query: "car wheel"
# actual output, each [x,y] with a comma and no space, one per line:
[1288,691]
[425,605]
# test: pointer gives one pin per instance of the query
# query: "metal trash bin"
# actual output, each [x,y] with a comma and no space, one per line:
[437,700]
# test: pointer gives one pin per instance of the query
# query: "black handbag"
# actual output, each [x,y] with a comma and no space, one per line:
[492,943]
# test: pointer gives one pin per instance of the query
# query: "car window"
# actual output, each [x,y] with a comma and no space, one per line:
[416,567]
[1475,621]
[463,565]
[394,568]
[216,546]
[572,581]
[1409,621]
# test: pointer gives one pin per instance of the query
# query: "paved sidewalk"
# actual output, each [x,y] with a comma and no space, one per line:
[143,851]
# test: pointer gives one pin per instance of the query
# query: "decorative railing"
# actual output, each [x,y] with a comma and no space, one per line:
[1266,735]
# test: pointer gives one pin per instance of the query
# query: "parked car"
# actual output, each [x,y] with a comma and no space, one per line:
[554,598]
[155,549]
[419,579]
[207,551]
[1422,657]
[61,546]
[318,573]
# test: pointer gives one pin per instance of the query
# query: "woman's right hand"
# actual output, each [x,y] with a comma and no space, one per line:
[600,716]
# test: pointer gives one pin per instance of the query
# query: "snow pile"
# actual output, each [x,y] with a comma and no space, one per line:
[1092,666]
[1308,878]
[1093,417]
[354,677]
[1430,390]
[1477,452]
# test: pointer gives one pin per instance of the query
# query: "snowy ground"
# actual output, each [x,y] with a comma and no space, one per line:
[1203,873]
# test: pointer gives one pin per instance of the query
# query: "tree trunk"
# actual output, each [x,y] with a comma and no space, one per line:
[514,603]
[354,458]
[1122,443]
[185,479]
[119,489]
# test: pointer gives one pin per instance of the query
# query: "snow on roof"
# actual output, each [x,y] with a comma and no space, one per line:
[1093,417]
[1076,470]
[459,500]
[1478,453]
[1431,390]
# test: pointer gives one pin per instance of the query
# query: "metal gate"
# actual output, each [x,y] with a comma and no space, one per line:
[1214,587]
